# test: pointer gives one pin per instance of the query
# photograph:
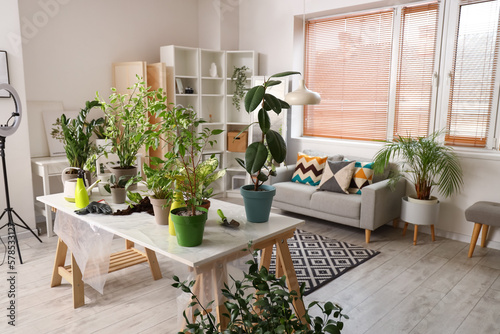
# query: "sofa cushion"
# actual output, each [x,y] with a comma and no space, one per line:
[362,177]
[337,176]
[309,169]
[335,157]
[298,194]
[348,206]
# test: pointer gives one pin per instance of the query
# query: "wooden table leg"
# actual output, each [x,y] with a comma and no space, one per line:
[283,252]
[153,264]
[60,258]
[220,271]
[265,257]
[77,284]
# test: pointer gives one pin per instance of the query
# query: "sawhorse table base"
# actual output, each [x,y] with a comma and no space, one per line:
[120,260]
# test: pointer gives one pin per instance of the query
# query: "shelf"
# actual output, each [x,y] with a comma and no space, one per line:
[212,95]
[235,169]
[212,78]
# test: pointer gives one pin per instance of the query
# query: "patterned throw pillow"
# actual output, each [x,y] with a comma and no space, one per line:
[308,169]
[337,176]
[363,176]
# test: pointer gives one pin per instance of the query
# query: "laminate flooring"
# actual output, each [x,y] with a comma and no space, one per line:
[428,288]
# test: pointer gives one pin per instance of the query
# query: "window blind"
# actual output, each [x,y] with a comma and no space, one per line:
[473,74]
[417,46]
[354,86]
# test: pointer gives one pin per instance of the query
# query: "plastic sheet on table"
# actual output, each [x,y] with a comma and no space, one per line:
[90,245]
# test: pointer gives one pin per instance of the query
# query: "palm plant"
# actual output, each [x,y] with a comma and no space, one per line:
[425,162]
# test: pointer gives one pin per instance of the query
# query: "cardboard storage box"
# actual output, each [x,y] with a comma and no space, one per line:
[237,144]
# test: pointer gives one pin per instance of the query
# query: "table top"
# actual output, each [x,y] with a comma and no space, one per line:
[218,241]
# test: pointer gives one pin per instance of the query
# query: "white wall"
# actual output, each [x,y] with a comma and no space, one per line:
[17,151]
[268,27]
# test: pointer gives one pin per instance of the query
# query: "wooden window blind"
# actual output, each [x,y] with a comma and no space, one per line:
[419,25]
[473,74]
[348,62]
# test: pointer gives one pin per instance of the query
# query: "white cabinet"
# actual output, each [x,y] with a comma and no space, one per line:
[208,73]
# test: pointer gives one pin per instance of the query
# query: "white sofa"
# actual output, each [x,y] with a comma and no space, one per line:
[377,205]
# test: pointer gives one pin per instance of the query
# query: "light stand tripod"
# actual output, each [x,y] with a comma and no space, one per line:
[11,226]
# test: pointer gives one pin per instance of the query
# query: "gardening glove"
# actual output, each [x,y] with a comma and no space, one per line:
[95,207]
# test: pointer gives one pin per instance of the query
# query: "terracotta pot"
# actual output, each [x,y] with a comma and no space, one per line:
[161,210]
[205,204]
[129,172]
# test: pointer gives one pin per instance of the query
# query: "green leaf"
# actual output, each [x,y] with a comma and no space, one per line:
[277,146]
[264,120]
[284,74]
[254,98]
[273,102]
[241,162]
[272,83]
[255,157]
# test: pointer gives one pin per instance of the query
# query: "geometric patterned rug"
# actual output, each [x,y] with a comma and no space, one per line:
[318,260]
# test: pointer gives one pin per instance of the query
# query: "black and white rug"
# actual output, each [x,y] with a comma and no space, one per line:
[319,260]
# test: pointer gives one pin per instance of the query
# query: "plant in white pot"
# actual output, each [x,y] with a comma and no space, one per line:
[426,162]
[128,128]
[261,156]
[75,134]
[180,128]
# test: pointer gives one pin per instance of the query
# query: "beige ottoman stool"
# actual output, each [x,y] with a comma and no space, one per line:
[482,214]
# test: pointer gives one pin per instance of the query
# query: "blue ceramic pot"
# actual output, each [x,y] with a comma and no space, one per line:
[258,203]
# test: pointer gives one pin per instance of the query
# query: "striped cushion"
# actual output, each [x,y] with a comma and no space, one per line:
[309,169]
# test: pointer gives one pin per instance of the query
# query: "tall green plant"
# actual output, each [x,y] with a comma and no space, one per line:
[127,120]
[180,128]
[425,162]
[272,144]
[75,133]
[261,303]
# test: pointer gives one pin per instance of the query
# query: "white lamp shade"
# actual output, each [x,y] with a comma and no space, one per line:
[302,96]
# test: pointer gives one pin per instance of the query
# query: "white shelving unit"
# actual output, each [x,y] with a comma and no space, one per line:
[212,99]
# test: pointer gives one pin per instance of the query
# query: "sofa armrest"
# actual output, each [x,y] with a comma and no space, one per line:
[380,204]
[283,174]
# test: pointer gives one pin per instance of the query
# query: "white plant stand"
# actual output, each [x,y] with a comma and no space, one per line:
[419,214]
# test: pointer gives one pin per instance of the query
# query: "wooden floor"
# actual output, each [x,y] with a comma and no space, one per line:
[429,288]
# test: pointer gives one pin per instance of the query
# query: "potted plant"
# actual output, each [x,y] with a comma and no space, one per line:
[179,127]
[118,186]
[239,78]
[261,156]
[270,310]
[128,128]
[159,180]
[425,163]
[75,134]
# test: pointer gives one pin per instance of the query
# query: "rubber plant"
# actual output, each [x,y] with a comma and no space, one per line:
[426,162]
[260,303]
[261,156]
[75,134]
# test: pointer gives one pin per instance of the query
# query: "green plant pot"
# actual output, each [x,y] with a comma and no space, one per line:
[258,203]
[189,229]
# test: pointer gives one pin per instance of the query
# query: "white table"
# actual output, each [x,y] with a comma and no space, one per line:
[45,167]
[220,244]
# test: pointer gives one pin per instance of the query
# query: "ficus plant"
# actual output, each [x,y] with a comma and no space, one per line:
[272,144]
[75,134]
[260,303]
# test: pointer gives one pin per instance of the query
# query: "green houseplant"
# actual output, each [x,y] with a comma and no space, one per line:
[179,127]
[261,156]
[117,186]
[207,172]
[76,133]
[425,163]
[260,303]
[128,128]
[239,78]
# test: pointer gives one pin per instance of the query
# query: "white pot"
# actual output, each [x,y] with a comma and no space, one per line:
[419,213]
[432,200]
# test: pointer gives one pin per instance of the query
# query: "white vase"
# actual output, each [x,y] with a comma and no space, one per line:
[213,70]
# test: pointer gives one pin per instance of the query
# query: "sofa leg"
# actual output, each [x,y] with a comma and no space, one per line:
[368,233]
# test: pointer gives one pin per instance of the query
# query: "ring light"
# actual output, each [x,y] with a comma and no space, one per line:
[6,129]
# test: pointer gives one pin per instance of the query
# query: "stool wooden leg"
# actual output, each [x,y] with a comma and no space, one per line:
[473,240]
[484,235]
[432,233]
[415,235]
[404,229]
